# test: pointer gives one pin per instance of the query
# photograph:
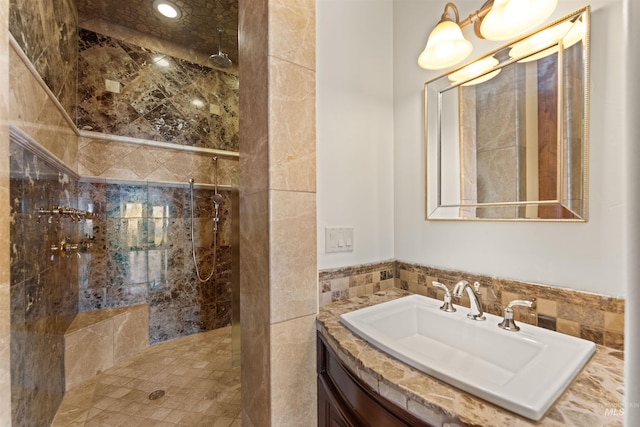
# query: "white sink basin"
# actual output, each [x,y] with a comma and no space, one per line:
[522,371]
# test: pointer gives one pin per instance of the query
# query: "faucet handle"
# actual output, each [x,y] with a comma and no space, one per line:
[447,306]
[508,323]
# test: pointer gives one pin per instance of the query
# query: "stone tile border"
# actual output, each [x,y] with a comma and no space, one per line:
[597,318]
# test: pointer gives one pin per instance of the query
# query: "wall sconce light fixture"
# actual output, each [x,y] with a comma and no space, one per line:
[446,45]
[495,20]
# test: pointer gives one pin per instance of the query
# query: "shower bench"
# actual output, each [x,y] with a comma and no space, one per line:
[99,339]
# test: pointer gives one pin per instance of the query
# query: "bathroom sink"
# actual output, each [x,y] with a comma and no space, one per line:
[524,371]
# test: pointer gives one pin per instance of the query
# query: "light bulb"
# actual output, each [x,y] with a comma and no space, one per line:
[509,19]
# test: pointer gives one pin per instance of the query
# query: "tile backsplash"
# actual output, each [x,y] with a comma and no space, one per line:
[349,282]
[594,317]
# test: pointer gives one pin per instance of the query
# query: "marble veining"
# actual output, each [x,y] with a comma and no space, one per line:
[46,32]
[141,253]
[128,90]
[44,289]
[594,397]
[597,318]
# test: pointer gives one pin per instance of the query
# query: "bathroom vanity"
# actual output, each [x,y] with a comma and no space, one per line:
[360,385]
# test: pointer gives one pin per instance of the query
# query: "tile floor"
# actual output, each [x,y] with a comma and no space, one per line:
[201,388]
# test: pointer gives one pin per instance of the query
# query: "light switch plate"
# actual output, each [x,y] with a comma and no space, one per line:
[338,239]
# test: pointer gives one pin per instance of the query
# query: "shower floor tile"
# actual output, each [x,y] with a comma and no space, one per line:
[200,387]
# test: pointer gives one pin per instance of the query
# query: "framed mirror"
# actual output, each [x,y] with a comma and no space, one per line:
[506,135]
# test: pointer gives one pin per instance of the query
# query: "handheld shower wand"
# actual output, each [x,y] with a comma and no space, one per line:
[193,239]
[217,198]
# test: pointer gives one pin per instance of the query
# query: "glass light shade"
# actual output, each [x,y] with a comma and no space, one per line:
[508,19]
[167,9]
[476,69]
[446,47]
[569,33]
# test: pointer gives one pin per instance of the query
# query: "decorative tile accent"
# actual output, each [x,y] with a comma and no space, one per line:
[597,318]
[121,160]
[343,283]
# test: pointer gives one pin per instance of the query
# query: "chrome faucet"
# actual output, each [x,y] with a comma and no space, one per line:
[447,306]
[475,312]
[508,323]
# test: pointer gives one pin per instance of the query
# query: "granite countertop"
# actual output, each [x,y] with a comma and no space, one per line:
[594,398]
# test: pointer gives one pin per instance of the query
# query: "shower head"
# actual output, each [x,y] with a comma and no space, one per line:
[217,199]
[220,59]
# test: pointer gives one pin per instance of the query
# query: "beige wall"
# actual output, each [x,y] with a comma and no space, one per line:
[278,211]
[42,118]
[5,379]
[123,160]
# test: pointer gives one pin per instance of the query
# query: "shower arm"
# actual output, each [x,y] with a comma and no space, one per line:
[215,174]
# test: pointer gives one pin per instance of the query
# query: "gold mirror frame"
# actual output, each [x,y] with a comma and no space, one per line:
[448,188]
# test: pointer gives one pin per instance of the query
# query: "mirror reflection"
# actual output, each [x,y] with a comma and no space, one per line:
[506,135]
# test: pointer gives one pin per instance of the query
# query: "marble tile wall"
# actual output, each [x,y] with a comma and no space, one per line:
[597,318]
[100,339]
[46,32]
[344,283]
[142,254]
[254,210]
[113,159]
[44,285]
[277,205]
[5,301]
[132,91]
[36,113]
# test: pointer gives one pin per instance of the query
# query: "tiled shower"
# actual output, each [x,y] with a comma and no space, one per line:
[141,253]
[44,286]
[134,244]
[134,248]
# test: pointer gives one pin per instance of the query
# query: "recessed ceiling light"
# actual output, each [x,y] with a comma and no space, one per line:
[167,9]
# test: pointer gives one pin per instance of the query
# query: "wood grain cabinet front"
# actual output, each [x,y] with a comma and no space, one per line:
[346,401]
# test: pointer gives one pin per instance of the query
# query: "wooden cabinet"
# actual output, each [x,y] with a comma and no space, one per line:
[344,400]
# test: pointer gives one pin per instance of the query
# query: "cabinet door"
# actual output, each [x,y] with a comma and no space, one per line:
[345,401]
[328,415]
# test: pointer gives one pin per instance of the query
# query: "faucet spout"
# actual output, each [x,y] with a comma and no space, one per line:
[475,312]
